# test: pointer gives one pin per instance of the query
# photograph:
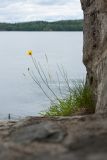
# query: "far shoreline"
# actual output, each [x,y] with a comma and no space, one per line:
[39,31]
[61,25]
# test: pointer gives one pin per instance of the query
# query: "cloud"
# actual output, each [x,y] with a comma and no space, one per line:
[52,2]
[32,10]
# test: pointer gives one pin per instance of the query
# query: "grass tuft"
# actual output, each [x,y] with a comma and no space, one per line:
[79,101]
[79,98]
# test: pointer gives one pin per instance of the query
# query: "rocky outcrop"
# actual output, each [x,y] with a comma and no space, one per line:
[64,138]
[95,50]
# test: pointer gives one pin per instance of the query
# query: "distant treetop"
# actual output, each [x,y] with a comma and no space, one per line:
[64,25]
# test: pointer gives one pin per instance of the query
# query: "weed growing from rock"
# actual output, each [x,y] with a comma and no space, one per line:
[78,99]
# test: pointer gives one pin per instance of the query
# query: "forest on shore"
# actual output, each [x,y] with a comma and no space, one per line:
[64,25]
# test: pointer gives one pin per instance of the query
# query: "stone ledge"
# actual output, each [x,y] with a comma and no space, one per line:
[61,138]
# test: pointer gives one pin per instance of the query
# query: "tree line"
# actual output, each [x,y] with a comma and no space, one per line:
[64,25]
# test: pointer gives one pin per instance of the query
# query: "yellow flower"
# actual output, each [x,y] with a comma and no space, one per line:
[29,52]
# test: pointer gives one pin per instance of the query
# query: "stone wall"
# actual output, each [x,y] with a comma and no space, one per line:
[95,50]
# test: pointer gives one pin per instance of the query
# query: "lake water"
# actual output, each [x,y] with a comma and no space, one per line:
[19,96]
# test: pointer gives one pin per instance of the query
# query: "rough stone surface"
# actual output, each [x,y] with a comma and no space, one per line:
[95,49]
[45,131]
[64,138]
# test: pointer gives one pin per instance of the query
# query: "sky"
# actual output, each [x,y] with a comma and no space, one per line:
[33,10]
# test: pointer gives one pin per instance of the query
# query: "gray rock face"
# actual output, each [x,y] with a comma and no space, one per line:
[95,49]
[70,138]
[43,132]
